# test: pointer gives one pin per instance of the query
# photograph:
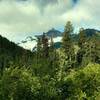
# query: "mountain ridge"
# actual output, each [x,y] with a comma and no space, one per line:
[56,33]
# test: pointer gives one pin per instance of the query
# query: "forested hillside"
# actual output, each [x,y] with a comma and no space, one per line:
[10,53]
[68,72]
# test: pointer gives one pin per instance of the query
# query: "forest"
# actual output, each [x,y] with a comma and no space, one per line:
[70,72]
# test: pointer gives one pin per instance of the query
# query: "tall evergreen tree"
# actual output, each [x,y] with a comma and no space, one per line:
[45,45]
[67,58]
[51,43]
[67,44]
[53,58]
[92,48]
[39,47]
[82,42]
[82,38]
[51,50]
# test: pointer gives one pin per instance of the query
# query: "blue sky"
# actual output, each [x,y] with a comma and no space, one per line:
[20,18]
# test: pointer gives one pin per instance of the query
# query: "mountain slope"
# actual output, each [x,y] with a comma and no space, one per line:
[91,32]
[12,53]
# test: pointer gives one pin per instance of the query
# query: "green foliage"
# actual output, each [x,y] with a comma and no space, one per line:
[71,72]
[19,84]
[82,84]
[82,38]
[67,46]
[66,40]
[89,51]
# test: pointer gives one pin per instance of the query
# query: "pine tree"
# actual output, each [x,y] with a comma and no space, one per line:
[82,38]
[39,47]
[67,44]
[51,44]
[92,53]
[45,45]
[82,43]
[52,51]
[68,56]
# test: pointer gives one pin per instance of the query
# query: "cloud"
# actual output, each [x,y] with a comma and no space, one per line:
[31,44]
[85,14]
[43,3]
[20,18]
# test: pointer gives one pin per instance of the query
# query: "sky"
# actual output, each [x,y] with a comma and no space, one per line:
[22,18]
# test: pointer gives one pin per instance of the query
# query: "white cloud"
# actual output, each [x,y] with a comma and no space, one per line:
[85,14]
[19,19]
[31,44]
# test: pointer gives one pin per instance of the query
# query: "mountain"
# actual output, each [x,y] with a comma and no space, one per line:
[30,42]
[91,32]
[11,53]
[53,32]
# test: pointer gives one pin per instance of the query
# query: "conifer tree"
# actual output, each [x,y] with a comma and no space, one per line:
[68,56]
[54,59]
[39,51]
[45,45]
[82,38]
[51,44]
[67,44]
[39,47]
[82,43]
[52,51]
[92,53]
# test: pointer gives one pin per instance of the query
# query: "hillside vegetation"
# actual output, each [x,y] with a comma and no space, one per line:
[69,72]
